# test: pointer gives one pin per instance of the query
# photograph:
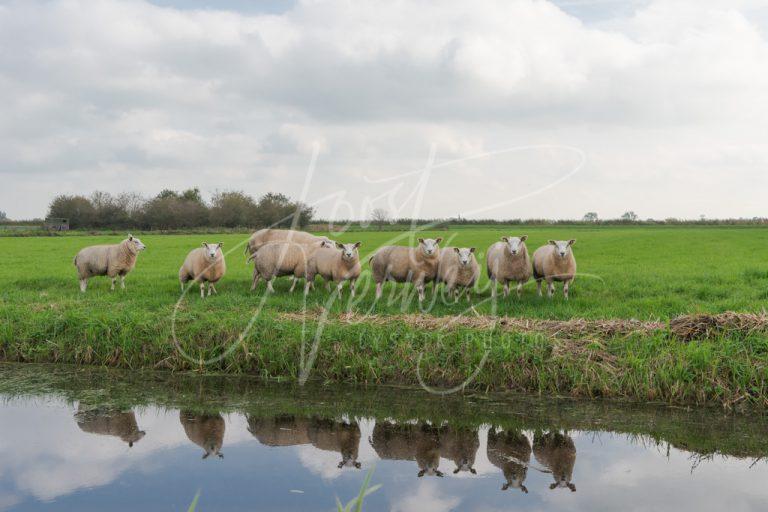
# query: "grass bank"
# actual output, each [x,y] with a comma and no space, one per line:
[650,274]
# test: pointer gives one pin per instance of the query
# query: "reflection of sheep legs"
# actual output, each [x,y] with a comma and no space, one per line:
[83,285]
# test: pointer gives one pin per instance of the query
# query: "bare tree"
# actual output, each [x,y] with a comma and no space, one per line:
[629,216]
[379,216]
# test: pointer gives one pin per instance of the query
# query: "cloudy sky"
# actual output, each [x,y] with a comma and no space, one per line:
[526,108]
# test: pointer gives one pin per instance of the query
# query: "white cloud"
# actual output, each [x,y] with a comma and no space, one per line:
[122,95]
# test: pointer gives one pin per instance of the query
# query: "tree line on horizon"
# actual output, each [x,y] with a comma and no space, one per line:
[172,209]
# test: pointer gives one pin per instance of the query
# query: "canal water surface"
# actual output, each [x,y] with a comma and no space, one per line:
[75,440]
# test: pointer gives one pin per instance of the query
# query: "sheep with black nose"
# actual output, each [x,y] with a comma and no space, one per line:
[114,261]
[458,269]
[417,265]
[555,262]
[204,265]
[507,261]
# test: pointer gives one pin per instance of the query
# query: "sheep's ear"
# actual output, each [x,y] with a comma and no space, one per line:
[220,244]
[340,245]
[552,242]
[457,250]
[505,239]
[130,237]
[421,240]
[471,249]
[205,244]
[524,238]
[358,244]
[438,239]
[571,241]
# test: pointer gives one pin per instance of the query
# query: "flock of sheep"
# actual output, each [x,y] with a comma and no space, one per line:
[283,252]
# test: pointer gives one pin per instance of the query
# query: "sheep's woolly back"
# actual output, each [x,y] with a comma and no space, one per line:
[277,259]
[109,260]
[404,263]
[268,235]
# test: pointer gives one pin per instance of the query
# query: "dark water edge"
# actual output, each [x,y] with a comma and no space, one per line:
[93,439]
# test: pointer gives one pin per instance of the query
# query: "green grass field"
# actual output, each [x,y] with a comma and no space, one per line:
[624,272]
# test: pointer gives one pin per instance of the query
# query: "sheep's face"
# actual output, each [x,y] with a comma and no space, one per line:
[515,244]
[136,244]
[212,250]
[464,254]
[348,251]
[429,246]
[562,247]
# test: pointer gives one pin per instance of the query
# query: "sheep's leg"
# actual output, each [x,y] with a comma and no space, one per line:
[327,286]
[83,285]
[122,282]
[566,285]
[255,282]
[538,286]
[519,289]
[352,287]
[340,286]
[493,287]
[202,290]
[469,294]
[269,285]
[378,290]
[420,288]
[506,288]
[307,286]
[550,289]
[293,284]
[212,287]
[112,288]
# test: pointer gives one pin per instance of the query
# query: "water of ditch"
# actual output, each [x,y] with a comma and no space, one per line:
[75,439]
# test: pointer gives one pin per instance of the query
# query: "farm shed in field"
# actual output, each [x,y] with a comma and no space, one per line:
[57,224]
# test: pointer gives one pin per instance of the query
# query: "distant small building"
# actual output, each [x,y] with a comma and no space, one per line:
[57,224]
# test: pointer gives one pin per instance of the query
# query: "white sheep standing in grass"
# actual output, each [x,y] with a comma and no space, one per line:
[268,235]
[277,259]
[338,264]
[458,269]
[507,261]
[406,264]
[555,262]
[204,265]
[108,260]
